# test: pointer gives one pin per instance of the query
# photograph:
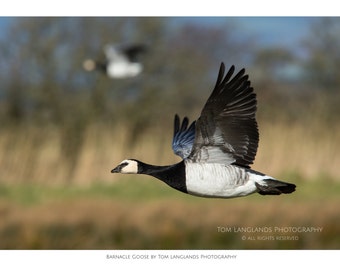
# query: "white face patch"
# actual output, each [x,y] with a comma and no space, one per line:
[131,167]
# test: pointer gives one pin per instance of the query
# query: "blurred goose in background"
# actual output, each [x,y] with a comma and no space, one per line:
[218,148]
[121,61]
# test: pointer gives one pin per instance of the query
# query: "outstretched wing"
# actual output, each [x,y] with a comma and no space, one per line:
[133,51]
[226,131]
[183,137]
[124,52]
[114,54]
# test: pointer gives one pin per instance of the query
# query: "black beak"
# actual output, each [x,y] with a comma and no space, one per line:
[116,170]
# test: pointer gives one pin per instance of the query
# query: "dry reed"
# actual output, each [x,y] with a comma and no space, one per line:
[34,155]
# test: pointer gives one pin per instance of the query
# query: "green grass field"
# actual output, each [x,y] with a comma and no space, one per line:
[143,213]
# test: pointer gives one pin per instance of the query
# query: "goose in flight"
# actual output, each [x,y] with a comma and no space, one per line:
[217,149]
[121,61]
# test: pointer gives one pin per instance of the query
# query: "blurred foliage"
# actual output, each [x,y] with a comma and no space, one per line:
[43,80]
[323,65]
[43,83]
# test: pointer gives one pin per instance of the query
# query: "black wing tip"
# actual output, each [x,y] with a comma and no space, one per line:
[136,47]
[222,66]
[220,75]
[176,124]
[231,70]
[240,77]
[223,79]
[182,126]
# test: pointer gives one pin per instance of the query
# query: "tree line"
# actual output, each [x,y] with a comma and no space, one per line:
[43,83]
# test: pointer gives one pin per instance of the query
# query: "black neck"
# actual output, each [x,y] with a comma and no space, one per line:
[173,175]
[102,66]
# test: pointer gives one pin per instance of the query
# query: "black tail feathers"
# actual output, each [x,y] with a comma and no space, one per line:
[275,187]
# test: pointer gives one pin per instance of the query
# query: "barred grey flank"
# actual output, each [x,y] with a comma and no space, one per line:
[240,175]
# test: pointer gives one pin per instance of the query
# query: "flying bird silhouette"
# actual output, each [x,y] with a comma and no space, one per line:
[218,148]
[121,61]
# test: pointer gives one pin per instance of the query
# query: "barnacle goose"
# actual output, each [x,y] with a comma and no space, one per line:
[121,61]
[218,148]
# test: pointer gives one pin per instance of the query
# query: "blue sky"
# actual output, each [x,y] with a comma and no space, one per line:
[4,24]
[268,31]
[276,30]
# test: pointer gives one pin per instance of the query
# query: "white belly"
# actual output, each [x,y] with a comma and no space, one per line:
[218,180]
[124,70]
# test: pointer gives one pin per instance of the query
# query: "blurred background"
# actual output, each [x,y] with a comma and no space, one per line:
[63,129]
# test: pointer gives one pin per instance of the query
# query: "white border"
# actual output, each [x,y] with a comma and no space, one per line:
[169,8]
[254,259]
[154,259]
